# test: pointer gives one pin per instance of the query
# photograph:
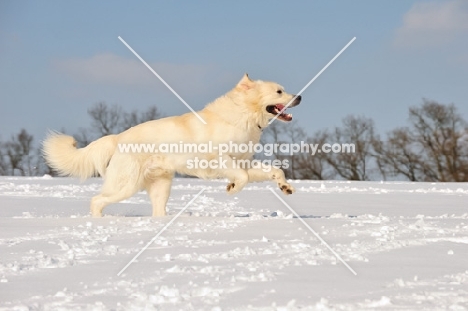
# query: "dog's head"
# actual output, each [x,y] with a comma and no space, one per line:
[266,98]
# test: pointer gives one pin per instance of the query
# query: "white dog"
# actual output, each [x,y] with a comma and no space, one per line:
[237,117]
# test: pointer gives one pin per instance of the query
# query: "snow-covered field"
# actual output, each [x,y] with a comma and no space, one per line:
[408,243]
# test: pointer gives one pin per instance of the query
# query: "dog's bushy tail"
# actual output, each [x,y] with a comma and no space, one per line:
[61,154]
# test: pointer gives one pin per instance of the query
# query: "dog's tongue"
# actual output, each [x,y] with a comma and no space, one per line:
[280,107]
[283,116]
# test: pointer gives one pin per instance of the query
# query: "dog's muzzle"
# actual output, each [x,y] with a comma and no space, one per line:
[296,101]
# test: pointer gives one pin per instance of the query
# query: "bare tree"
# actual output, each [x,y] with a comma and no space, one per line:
[134,118]
[19,153]
[302,165]
[398,155]
[440,132]
[315,166]
[360,132]
[274,134]
[293,134]
[105,120]
[280,133]
[3,161]
[434,148]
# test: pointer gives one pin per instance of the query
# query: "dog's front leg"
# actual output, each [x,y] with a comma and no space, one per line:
[237,177]
[271,173]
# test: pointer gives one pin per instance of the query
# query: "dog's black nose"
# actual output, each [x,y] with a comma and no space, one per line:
[296,101]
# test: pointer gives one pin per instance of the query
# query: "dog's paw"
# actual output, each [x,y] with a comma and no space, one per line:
[233,188]
[96,214]
[287,188]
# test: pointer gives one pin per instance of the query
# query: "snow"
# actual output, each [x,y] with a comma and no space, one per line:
[408,243]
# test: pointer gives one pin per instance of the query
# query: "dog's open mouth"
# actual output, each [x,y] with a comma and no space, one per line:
[276,109]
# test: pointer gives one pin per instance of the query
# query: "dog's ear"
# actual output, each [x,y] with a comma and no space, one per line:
[245,83]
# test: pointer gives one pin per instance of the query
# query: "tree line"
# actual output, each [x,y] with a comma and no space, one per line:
[21,157]
[433,147]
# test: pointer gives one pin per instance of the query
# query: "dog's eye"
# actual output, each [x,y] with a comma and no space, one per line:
[279,92]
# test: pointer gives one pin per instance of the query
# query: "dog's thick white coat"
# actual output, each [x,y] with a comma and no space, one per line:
[236,117]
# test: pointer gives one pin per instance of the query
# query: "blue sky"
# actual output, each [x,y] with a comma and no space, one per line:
[57,58]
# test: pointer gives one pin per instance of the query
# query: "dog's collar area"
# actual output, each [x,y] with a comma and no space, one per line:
[259,127]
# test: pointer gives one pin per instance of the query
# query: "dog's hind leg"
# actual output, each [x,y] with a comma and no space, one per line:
[100,201]
[121,182]
[159,190]
[158,181]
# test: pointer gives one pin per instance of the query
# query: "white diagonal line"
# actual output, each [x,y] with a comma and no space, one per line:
[313,79]
[313,231]
[159,233]
[162,80]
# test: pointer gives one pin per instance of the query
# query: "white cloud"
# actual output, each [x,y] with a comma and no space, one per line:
[114,70]
[104,69]
[429,24]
